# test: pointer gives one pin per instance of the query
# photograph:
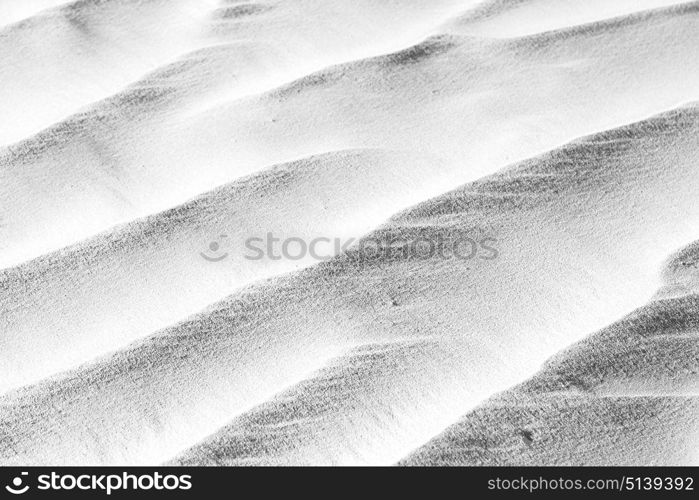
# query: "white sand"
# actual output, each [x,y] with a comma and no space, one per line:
[628,395]
[137,133]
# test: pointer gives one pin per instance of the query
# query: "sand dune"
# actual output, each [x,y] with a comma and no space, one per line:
[64,58]
[368,403]
[628,395]
[543,152]
[512,18]
[59,310]
[563,276]
[12,11]
[147,150]
[78,52]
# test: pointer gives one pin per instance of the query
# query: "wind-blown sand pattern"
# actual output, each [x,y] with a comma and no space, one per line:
[626,395]
[143,136]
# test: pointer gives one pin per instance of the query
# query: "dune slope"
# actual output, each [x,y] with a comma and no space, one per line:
[443,328]
[627,395]
[158,143]
[349,232]
[73,305]
[71,53]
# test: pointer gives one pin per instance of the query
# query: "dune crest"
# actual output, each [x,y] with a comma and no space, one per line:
[76,52]
[444,316]
[147,149]
[627,395]
[516,18]
[503,193]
